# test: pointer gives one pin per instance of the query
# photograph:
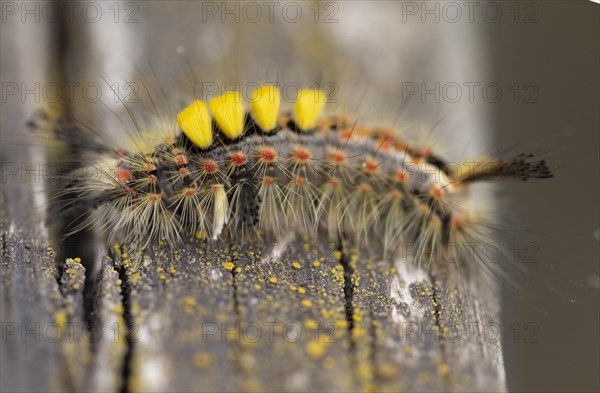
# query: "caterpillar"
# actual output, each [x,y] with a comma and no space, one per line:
[219,167]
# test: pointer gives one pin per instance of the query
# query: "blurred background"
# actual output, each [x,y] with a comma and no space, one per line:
[560,55]
[467,78]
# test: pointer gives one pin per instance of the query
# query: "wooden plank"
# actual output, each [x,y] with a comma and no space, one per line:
[216,316]
[423,331]
[45,345]
[173,301]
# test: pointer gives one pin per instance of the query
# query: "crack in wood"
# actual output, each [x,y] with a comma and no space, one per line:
[129,323]
[437,313]
[373,345]
[348,287]
[239,319]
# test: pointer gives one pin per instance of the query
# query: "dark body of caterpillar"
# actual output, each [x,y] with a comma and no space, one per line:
[349,180]
[283,175]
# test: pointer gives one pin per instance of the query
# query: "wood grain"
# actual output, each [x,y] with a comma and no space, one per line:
[218,316]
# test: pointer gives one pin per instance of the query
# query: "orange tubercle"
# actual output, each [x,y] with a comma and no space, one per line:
[268,181]
[267,155]
[123,175]
[301,155]
[209,167]
[370,166]
[337,157]
[238,158]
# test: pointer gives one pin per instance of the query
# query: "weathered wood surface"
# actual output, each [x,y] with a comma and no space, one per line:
[215,316]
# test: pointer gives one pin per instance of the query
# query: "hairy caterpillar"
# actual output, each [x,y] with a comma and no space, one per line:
[217,166]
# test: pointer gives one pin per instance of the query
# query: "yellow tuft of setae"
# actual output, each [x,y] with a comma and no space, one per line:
[195,122]
[228,112]
[307,108]
[264,104]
